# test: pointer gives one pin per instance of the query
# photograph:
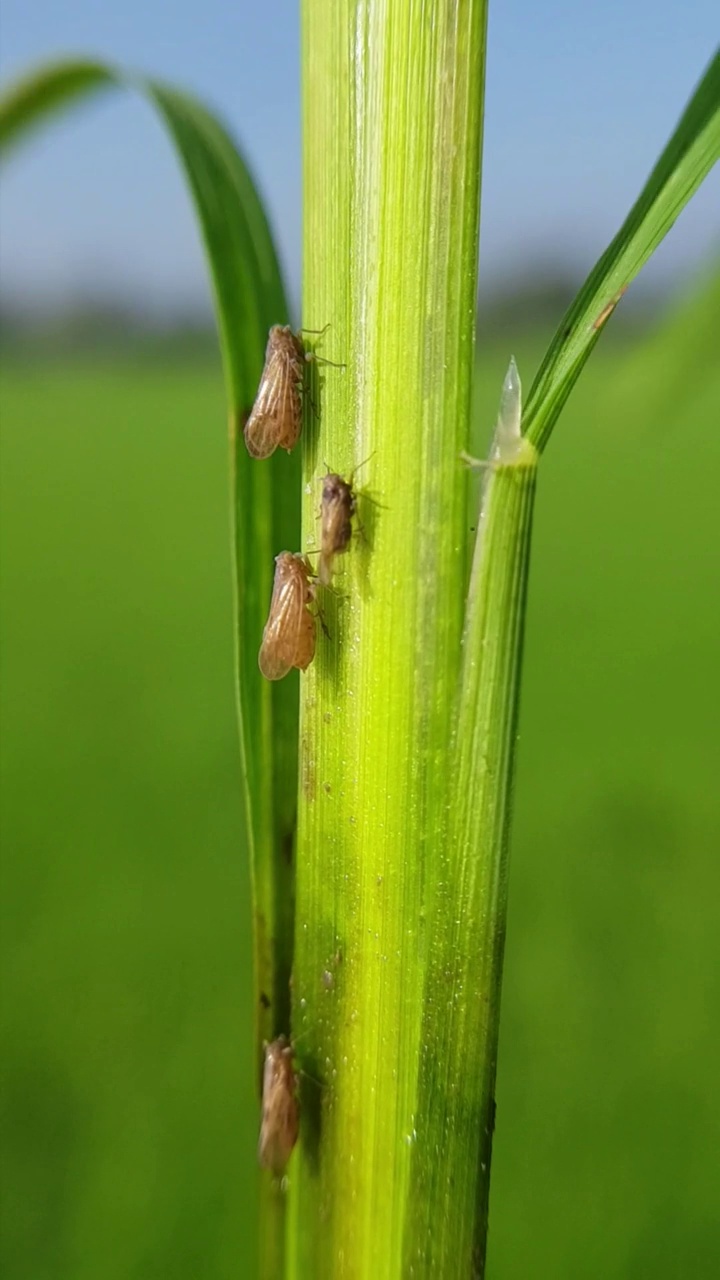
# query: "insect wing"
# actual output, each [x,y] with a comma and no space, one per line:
[291,413]
[280,1113]
[277,648]
[275,417]
[338,506]
[289,636]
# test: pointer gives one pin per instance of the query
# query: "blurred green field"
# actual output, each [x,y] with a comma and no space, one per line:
[129,1115]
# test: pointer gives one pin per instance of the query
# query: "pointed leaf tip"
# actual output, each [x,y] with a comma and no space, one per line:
[508,441]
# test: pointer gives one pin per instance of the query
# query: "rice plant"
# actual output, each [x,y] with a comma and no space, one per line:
[378,782]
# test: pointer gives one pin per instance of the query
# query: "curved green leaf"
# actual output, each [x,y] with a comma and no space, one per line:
[249,297]
[688,157]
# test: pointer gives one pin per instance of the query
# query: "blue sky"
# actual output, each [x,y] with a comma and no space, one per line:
[580,99]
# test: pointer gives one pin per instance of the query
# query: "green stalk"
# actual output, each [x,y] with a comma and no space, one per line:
[392,126]
[462,999]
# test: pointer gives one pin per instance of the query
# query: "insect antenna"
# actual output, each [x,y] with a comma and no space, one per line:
[312,356]
[360,466]
[317,332]
[335,364]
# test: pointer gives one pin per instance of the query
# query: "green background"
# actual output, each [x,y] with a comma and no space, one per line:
[129,1117]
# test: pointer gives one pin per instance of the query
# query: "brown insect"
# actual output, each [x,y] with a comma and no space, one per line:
[289,636]
[276,416]
[609,308]
[337,509]
[280,1111]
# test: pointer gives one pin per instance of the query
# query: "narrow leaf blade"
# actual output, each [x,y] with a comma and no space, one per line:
[688,157]
[249,297]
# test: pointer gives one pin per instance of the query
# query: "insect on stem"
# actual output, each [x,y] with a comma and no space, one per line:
[276,416]
[275,420]
[280,1122]
[289,636]
[337,508]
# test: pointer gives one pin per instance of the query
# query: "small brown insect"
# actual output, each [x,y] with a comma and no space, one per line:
[276,416]
[289,636]
[609,308]
[280,1111]
[337,509]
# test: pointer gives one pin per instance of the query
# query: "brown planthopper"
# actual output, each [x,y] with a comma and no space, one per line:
[337,508]
[275,420]
[276,416]
[280,1122]
[289,636]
